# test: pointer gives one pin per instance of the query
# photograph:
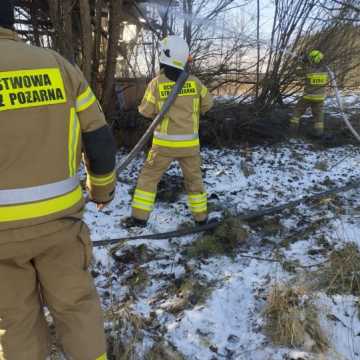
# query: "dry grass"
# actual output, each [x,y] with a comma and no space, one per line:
[342,273]
[126,332]
[292,319]
[224,240]
[163,351]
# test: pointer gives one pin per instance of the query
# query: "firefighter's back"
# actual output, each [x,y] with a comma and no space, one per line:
[40,137]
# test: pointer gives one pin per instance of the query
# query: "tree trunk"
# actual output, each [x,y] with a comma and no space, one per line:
[97,45]
[61,18]
[86,38]
[112,52]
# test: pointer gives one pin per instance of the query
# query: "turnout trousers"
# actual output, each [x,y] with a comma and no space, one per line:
[317,109]
[49,270]
[155,166]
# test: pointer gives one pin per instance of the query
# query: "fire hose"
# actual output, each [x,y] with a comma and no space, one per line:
[251,215]
[341,106]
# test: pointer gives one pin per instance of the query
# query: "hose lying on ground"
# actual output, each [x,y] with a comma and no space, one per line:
[242,217]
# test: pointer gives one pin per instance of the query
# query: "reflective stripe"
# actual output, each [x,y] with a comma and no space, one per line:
[40,209]
[164,125]
[143,200]
[176,144]
[145,194]
[314,97]
[38,193]
[320,79]
[188,89]
[175,137]
[295,120]
[102,357]
[31,88]
[141,206]
[198,203]
[149,97]
[319,125]
[204,91]
[74,135]
[102,180]
[85,100]
[196,115]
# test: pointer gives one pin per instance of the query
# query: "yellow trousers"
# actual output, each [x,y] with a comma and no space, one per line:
[155,166]
[317,109]
[50,270]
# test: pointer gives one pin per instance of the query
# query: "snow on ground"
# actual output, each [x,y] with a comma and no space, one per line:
[228,325]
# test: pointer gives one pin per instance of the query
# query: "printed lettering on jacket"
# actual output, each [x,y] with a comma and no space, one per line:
[31,88]
[189,89]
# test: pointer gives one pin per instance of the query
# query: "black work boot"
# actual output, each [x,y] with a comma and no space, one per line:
[202,222]
[131,222]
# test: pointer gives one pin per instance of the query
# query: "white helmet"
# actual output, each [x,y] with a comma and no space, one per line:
[174,51]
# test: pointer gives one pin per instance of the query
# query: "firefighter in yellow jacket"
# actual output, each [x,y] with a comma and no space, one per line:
[177,136]
[48,113]
[316,81]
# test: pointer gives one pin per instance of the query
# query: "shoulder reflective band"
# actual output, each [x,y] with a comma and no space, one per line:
[318,78]
[85,100]
[31,88]
[175,137]
[38,193]
[189,89]
[204,91]
[102,357]
[149,97]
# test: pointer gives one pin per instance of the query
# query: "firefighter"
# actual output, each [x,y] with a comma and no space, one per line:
[316,81]
[177,136]
[48,113]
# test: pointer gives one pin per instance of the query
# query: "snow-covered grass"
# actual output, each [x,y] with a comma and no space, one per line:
[229,324]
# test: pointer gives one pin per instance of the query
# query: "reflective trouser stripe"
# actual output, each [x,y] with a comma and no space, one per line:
[85,100]
[198,203]
[176,144]
[74,135]
[102,180]
[319,125]
[143,200]
[38,193]
[40,209]
[102,357]
[314,97]
[295,120]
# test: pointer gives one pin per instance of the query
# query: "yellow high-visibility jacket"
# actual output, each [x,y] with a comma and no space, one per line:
[316,80]
[48,114]
[178,133]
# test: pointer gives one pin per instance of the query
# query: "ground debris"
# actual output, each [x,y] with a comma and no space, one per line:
[224,240]
[341,275]
[292,319]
